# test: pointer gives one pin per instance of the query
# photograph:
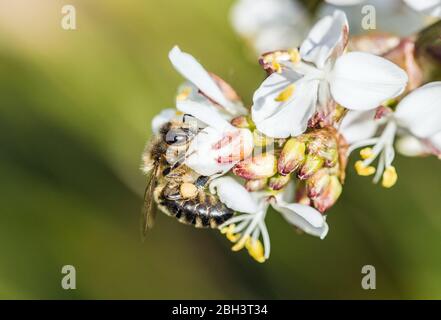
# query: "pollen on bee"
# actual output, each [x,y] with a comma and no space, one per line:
[364,170]
[390,177]
[286,93]
[188,190]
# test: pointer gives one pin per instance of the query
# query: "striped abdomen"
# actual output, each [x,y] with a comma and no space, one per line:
[203,211]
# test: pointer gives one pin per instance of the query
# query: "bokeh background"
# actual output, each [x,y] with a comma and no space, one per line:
[75,112]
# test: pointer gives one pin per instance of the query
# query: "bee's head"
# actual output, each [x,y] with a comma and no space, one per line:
[178,136]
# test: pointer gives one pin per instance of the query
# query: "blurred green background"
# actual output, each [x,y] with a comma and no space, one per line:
[75,112]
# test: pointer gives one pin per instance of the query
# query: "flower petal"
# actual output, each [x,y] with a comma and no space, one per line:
[436,142]
[194,72]
[264,99]
[287,118]
[162,118]
[362,81]
[234,195]
[329,33]
[205,151]
[251,17]
[204,113]
[358,125]
[411,146]
[344,2]
[420,111]
[429,7]
[304,217]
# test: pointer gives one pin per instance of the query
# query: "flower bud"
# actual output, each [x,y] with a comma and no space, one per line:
[329,196]
[256,185]
[292,156]
[302,194]
[323,143]
[242,122]
[312,165]
[260,140]
[258,167]
[278,182]
[318,182]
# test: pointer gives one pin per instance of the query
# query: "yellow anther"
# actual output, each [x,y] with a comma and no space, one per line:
[363,170]
[286,93]
[294,55]
[276,66]
[239,245]
[185,92]
[255,249]
[233,237]
[229,233]
[366,153]
[390,177]
[229,228]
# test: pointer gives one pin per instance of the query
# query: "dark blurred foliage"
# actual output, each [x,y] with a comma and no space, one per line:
[75,111]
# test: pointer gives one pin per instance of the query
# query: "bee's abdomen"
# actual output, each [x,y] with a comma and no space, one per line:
[204,211]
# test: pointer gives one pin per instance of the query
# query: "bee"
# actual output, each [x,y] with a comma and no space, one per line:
[177,190]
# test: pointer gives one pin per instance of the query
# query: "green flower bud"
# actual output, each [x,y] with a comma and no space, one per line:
[256,168]
[329,196]
[242,122]
[312,165]
[278,182]
[318,182]
[256,185]
[292,156]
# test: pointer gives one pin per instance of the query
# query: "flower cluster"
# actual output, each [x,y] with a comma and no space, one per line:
[318,104]
[268,25]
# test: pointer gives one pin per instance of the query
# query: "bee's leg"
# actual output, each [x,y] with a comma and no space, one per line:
[202,181]
[171,192]
[184,117]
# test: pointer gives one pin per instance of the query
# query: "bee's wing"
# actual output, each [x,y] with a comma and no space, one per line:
[148,210]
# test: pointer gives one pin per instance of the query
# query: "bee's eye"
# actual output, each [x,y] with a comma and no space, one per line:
[176,137]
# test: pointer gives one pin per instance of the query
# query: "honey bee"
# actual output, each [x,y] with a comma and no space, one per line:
[177,190]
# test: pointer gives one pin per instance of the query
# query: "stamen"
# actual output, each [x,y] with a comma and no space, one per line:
[364,170]
[366,153]
[294,56]
[276,66]
[229,233]
[390,177]
[241,244]
[184,94]
[286,93]
[255,249]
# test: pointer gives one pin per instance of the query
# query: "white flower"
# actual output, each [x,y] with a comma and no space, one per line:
[417,117]
[411,146]
[219,146]
[428,7]
[270,24]
[344,2]
[313,79]
[204,88]
[246,228]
